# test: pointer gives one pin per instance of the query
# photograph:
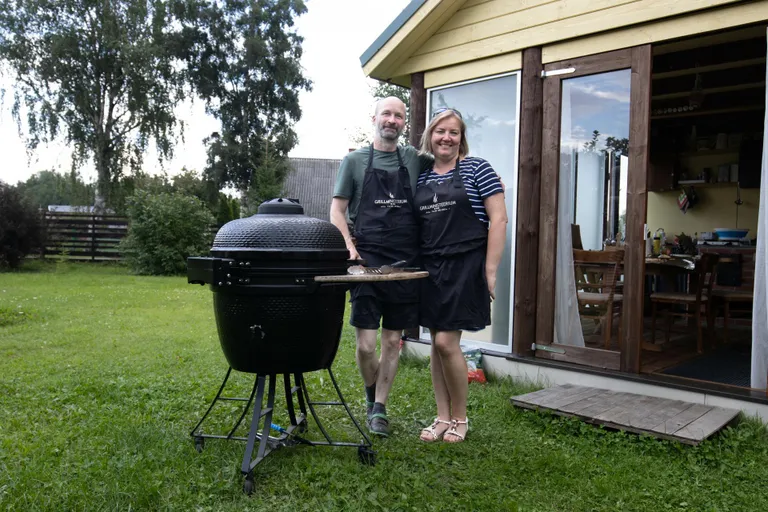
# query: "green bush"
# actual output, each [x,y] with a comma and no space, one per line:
[21,231]
[164,230]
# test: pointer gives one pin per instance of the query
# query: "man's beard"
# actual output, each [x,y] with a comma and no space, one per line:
[391,134]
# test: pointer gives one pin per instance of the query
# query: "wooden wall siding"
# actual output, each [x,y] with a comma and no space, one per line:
[473,13]
[634,249]
[416,31]
[529,183]
[539,25]
[665,30]
[476,69]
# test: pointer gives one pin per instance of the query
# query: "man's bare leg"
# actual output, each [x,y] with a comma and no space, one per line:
[378,422]
[365,355]
[390,358]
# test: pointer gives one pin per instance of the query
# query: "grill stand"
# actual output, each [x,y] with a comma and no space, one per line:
[288,436]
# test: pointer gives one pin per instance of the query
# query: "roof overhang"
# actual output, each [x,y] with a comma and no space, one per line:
[413,26]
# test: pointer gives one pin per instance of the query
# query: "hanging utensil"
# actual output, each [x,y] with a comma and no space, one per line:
[384,269]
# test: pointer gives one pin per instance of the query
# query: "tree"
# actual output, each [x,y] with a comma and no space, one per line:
[250,77]
[21,231]
[591,145]
[473,122]
[613,144]
[48,187]
[165,229]
[267,182]
[618,146]
[100,73]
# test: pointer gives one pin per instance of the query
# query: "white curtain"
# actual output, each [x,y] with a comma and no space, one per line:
[760,307]
[590,199]
[567,321]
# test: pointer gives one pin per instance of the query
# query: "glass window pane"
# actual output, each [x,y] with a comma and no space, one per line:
[490,110]
[594,143]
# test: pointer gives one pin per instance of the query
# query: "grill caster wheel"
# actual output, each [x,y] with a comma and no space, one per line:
[199,444]
[366,455]
[248,485]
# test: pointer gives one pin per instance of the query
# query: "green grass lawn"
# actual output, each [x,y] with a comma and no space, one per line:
[103,374]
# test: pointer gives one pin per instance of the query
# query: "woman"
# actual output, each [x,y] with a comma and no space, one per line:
[456,201]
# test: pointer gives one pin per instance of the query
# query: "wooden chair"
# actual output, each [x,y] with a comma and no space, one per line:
[576,237]
[596,276]
[726,297]
[698,297]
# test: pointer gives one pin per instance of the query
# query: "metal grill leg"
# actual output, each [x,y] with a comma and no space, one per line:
[213,402]
[289,399]
[297,378]
[245,410]
[346,407]
[267,421]
[303,386]
[256,419]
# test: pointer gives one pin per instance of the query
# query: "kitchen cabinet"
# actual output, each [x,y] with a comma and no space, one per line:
[662,172]
[750,163]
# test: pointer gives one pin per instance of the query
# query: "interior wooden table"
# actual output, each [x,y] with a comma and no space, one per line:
[670,269]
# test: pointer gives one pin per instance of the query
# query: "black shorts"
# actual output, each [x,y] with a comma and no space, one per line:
[455,296]
[367,312]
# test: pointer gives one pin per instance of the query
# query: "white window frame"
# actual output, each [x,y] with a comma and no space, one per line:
[511,212]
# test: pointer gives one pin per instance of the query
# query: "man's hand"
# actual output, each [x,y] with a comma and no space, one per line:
[339,219]
[353,254]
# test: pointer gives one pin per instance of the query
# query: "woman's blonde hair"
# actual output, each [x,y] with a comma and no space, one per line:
[426,137]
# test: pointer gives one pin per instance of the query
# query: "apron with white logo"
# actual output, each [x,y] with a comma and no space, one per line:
[386,230]
[453,246]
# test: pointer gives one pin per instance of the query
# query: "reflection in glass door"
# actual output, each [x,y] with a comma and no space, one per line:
[592,205]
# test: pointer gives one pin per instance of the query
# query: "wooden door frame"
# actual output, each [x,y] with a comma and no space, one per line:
[638,60]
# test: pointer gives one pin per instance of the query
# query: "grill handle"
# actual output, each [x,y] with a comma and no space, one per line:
[203,271]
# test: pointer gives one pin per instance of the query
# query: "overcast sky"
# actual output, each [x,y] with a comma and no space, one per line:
[336,33]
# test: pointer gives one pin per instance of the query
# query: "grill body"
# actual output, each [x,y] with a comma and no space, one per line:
[271,316]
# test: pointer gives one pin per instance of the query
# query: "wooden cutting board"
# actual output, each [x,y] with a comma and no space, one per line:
[367,278]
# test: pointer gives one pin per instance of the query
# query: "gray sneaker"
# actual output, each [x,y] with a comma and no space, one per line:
[378,424]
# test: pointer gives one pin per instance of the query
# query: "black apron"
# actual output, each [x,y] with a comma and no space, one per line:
[386,230]
[453,247]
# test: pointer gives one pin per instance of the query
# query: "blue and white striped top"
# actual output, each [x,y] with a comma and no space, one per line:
[480,181]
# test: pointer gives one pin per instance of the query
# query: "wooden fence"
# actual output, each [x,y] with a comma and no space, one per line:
[86,236]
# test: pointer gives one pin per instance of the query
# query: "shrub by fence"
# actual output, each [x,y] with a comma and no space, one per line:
[86,236]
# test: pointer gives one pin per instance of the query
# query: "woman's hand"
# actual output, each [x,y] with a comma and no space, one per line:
[490,277]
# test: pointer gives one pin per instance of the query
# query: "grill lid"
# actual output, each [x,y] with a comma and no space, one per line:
[280,226]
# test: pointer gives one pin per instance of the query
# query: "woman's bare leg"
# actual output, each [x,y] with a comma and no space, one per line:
[441,390]
[454,370]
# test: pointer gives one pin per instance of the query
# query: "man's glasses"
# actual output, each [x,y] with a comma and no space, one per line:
[446,109]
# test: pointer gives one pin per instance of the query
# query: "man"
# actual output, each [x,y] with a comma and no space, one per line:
[375,185]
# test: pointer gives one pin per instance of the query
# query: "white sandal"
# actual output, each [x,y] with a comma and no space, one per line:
[431,431]
[452,430]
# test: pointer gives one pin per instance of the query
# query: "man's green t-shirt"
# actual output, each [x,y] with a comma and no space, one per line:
[349,180]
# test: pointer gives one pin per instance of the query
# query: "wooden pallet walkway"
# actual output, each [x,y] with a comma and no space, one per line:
[676,420]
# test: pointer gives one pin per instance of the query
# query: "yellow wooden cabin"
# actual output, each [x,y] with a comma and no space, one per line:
[609,121]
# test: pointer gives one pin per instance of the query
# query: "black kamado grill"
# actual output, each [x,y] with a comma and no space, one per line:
[279,282]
